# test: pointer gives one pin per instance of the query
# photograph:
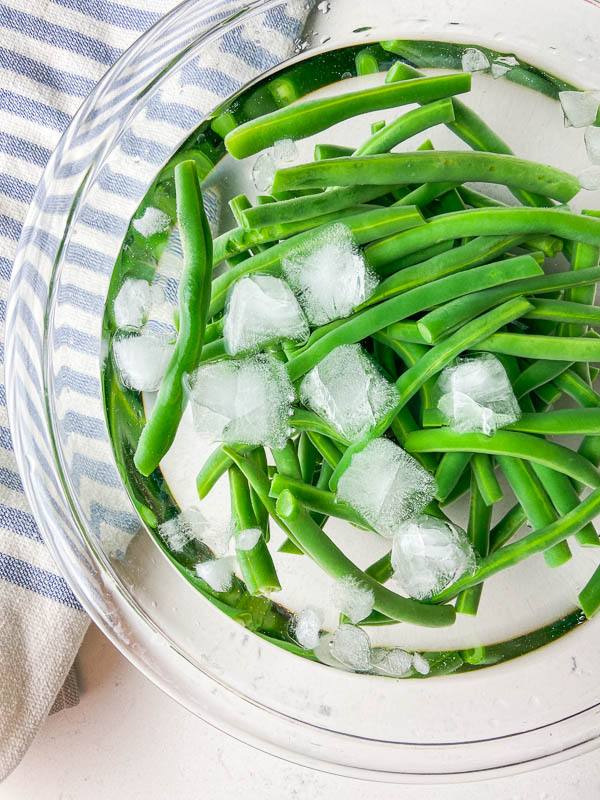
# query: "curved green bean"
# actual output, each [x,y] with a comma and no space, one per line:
[510,443]
[214,467]
[333,561]
[537,374]
[485,222]
[429,167]
[194,297]
[312,116]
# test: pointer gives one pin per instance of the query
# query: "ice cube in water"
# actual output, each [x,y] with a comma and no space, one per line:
[218,573]
[132,303]
[142,359]
[191,525]
[263,172]
[353,598]
[476,396]
[386,485]
[306,627]
[351,646]
[152,221]
[498,70]
[428,554]
[247,539]
[329,275]
[347,389]
[285,151]
[474,60]
[247,401]
[395,662]
[592,143]
[589,179]
[420,664]
[261,310]
[580,108]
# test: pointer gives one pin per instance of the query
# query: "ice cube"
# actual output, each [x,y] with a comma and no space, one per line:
[354,599]
[476,396]
[420,664]
[592,143]
[347,389]
[132,303]
[474,60]
[285,151]
[498,70]
[247,401]
[142,359]
[152,221]
[329,275]
[218,573]
[261,310]
[395,662]
[306,627]
[580,108]
[590,178]
[263,172]
[428,554]
[191,525]
[247,539]
[386,486]
[351,646]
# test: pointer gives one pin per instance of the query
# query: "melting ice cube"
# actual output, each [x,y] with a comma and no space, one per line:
[142,359]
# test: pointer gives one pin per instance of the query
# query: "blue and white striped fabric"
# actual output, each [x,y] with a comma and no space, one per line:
[51,56]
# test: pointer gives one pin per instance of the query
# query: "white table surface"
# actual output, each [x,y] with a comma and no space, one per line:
[127,740]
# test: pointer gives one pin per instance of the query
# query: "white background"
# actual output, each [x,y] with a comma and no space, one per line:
[127,740]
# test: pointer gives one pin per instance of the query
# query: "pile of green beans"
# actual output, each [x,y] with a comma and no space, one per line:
[460,273]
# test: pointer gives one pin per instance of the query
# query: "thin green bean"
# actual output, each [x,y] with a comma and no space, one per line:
[565,499]
[449,472]
[487,483]
[316,499]
[478,531]
[510,524]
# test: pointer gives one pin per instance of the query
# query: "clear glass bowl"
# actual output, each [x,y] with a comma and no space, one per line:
[525,712]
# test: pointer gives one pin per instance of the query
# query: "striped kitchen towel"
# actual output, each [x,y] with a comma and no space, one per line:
[51,56]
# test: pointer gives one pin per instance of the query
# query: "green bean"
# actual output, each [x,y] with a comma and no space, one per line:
[485,222]
[567,421]
[575,314]
[366,62]
[312,116]
[549,245]
[452,315]
[328,449]
[341,197]
[478,531]
[256,565]
[333,561]
[589,596]
[308,458]
[303,420]
[546,395]
[259,481]
[429,167]
[469,127]
[238,205]
[194,297]
[429,365]
[476,252]
[410,354]
[214,467]
[572,384]
[537,505]
[509,443]
[366,226]
[377,126]
[553,348]
[286,461]
[487,483]
[583,256]
[510,524]
[461,488]
[449,472]
[316,499]
[536,542]
[259,457]
[537,374]
[565,499]
[370,320]
[331,151]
